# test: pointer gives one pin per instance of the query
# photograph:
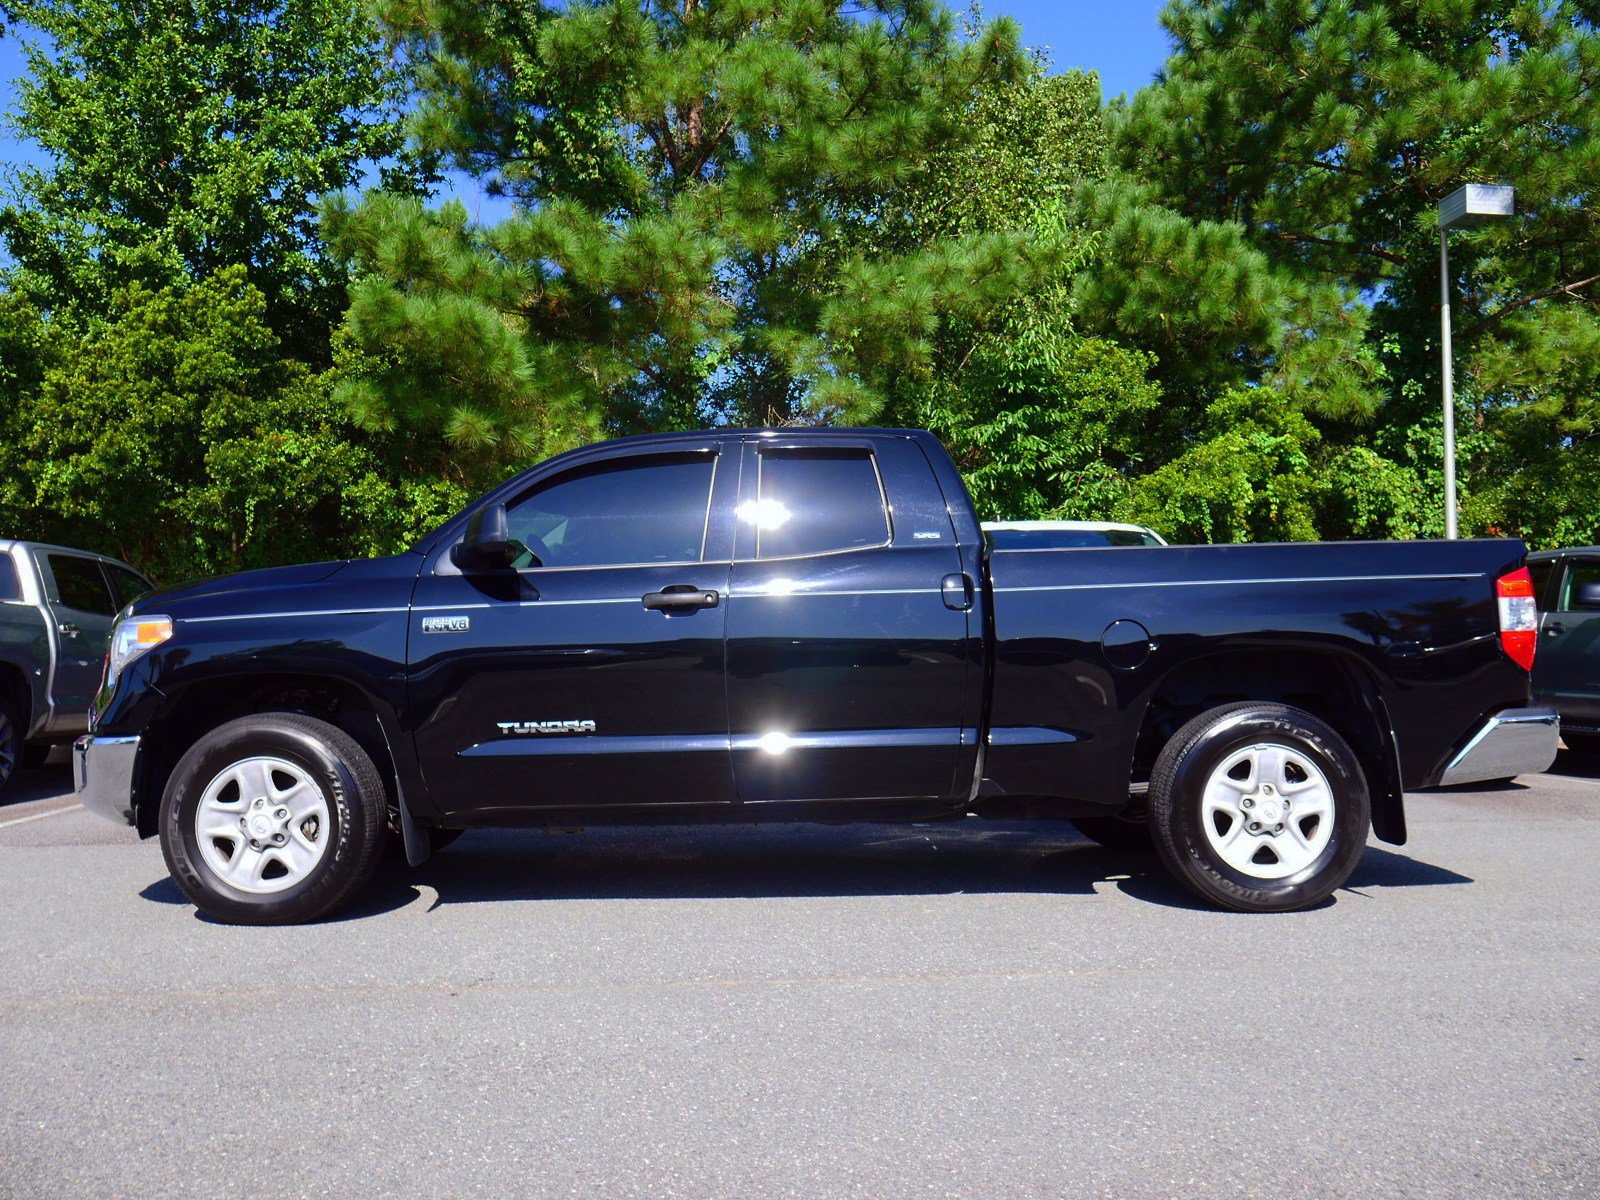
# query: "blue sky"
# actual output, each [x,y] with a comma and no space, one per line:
[1118,38]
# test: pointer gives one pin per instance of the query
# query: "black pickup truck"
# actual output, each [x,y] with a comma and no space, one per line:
[802,626]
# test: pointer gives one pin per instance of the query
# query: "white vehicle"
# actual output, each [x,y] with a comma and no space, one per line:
[1064,535]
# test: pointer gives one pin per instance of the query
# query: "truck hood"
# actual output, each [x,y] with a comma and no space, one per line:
[268,579]
[348,584]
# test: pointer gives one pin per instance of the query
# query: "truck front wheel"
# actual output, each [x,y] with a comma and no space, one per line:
[1259,807]
[273,819]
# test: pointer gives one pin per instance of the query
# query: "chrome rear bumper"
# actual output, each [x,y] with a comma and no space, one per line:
[102,774]
[1515,741]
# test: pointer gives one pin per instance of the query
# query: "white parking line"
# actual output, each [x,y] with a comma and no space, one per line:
[54,812]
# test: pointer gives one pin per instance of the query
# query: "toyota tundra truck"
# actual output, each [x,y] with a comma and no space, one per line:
[805,625]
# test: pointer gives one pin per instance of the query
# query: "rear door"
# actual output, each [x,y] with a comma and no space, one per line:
[847,655]
[577,680]
[81,607]
[1566,670]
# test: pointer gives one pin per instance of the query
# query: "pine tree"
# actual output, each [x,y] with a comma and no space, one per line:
[1325,132]
[182,138]
[688,176]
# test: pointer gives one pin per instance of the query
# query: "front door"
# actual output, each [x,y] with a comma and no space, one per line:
[848,667]
[580,678]
[83,609]
[1566,669]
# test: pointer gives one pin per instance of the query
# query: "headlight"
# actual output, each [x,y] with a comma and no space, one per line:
[131,638]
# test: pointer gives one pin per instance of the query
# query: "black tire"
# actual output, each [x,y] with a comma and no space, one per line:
[1186,765]
[11,751]
[1126,832]
[351,787]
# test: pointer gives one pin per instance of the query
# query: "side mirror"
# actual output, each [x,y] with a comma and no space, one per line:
[487,545]
[1587,597]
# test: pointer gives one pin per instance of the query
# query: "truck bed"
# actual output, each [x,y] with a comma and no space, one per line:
[1408,629]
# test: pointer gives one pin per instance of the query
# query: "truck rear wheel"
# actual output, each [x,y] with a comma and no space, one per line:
[1259,808]
[273,819]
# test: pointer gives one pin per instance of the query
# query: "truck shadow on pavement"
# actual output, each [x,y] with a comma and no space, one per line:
[40,783]
[1577,764]
[492,866]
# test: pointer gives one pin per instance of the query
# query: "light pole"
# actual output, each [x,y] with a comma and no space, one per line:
[1465,208]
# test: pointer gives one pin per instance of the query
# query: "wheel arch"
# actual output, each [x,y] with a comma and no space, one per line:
[1330,684]
[191,713]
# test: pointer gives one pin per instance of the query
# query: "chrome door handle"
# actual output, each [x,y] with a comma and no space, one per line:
[67,629]
[1554,630]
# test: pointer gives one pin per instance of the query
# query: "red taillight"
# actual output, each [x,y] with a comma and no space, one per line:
[1519,616]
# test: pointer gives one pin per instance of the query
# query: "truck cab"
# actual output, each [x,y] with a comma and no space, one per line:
[705,608]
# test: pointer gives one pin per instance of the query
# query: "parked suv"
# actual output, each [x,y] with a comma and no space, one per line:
[57,606]
[1566,675]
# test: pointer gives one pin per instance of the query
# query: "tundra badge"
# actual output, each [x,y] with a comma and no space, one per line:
[545,726]
[446,624]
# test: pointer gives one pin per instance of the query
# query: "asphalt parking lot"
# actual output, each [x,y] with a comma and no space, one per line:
[982,1010]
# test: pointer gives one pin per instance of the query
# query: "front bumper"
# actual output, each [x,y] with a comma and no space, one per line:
[102,774]
[1515,741]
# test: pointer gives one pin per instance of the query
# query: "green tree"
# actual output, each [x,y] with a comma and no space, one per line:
[184,137]
[1247,476]
[1216,312]
[1041,420]
[1045,426]
[1113,364]
[177,437]
[24,351]
[1324,133]
[1531,411]
[688,178]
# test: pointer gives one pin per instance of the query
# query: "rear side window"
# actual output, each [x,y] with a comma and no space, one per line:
[1580,586]
[10,585]
[815,502]
[80,585]
[128,585]
[633,511]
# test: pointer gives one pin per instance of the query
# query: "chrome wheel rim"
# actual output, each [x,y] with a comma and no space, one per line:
[262,825]
[1268,811]
[8,747]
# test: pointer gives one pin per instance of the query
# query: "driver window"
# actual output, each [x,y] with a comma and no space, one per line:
[620,513]
[1581,575]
